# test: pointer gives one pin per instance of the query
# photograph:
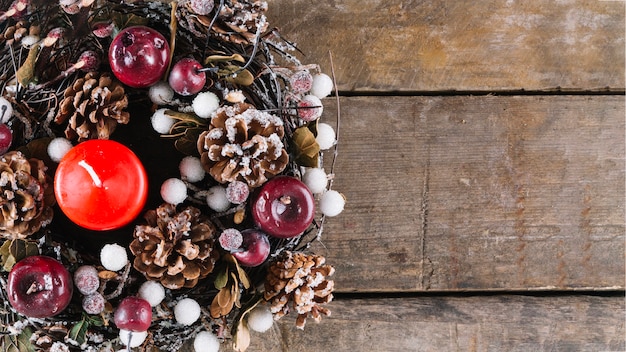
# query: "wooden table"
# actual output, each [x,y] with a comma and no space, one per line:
[482,156]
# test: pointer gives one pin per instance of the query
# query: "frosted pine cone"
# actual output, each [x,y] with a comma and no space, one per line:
[26,200]
[238,21]
[300,281]
[18,31]
[243,144]
[94,105]
[175,248]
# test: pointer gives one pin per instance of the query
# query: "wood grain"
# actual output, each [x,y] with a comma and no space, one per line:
[445,45]
[479,193]
[487,323]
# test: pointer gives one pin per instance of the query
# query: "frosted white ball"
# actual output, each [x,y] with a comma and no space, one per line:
[58,147]
[216,198]
[153,292]
[316,179]
[174,191]
[205,103]
[191,169]
[161,122]
[6,110]
[206,342]
[161,93]
[136,338]
[322,85]
[113,257]
[187,311]
[332,203]
[260,318]
[325,136]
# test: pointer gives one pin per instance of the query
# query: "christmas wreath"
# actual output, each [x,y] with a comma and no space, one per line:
[161,175]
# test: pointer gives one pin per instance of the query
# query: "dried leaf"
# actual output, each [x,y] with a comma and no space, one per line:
[21,249]
[243,277]
[224,58]
[26,73]
[107,275]
[234,74]
[7,259]
[306,149]
[239,216]
[241,337]
[188,142]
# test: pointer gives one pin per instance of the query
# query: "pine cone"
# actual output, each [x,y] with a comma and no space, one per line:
[238,21]
[175,248]
[243,144]
[16,32]
[26,200]
[94,105]
[301,279]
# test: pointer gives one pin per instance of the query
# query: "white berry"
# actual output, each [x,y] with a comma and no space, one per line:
[216,198]
[113,257]
[161,93]
[187,311]
[260,318]
[206,342]
[153,292]
[316,179]
[58,147]
[205,103]
[322,85]
[332,203]
[191,169]
[174,191]
[325,136]
[132,338]
[161,122]
[6,110]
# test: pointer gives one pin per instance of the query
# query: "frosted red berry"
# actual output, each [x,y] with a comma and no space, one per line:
[94,303]
[6,137]
[139,56]
[231,239]
[134,314]
[237,192]
[255,248]
[185,77]
[39,287]
[89,60]
[86,279]
[284,207]
[301,82]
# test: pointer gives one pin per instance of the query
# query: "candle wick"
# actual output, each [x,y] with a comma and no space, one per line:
[91,172]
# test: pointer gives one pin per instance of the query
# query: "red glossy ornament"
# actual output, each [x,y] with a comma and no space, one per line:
[139,56]
[101,185]
[284,207]
[39,287]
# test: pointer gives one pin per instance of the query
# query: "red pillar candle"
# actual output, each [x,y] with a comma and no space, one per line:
[101,185]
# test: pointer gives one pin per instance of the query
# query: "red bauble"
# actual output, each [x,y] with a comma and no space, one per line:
[6,136]
[254,250]
[284,207]
[185,79]
[101,185]
[139,56]
[134,314]
[39,287]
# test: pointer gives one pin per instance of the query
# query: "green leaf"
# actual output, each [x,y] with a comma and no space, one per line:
[18,343]
[78,332]
[234,74]
[21,249]
[306,149]
[222,279]
[123,20]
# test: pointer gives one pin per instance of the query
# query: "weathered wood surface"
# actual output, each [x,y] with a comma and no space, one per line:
[442,45]
[479,193]
[479,323]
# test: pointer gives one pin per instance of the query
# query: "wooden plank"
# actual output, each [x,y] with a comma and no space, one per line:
[446,45]
[479,193]
[487,323]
